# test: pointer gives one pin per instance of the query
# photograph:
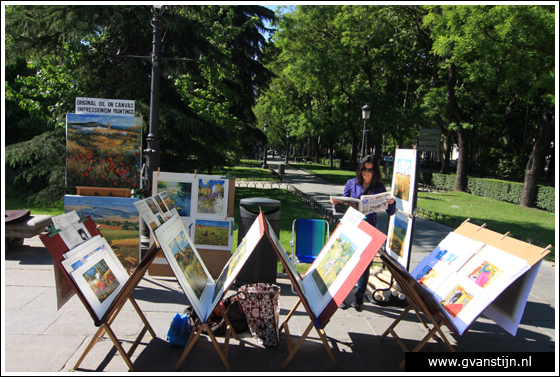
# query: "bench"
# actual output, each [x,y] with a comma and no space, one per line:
[34,225]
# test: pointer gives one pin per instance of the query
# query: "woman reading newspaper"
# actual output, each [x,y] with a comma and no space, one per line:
[367,182]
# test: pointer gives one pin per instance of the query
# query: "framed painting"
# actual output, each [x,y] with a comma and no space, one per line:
[179,188]
[213,234]
[100,279]
[103,150]
[399,237]
[117,219]
[403,187]
[212,197]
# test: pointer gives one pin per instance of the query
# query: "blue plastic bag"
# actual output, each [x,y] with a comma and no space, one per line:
[179,330]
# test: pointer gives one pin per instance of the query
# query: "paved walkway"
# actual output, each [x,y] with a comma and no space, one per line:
[38,338]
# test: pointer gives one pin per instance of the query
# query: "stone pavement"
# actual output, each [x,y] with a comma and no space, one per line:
[39,339]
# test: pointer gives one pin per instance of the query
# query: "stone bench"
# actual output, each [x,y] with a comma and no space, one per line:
[34,225]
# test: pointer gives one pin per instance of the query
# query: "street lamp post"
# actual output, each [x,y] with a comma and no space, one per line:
[265,128]
[366,111]
[152,139]
[287,145]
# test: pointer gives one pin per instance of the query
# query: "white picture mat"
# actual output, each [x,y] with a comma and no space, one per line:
[405,164]
[87,249]
[177,178]
[506,321]
[80,247]
[166,235]
[236,262]
[203,221]
[448,257]
[221,204]
[114,266]
[511,266]
[403,219]
[360,239]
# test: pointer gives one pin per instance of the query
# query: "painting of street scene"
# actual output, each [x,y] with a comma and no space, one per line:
[117,219]
[211,196]
[103,150]
[188,263]
[212,232]
[101,280]
[333,262]
[403,175]
[180,194]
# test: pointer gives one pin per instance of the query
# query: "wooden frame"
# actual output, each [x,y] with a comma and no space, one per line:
[56,247]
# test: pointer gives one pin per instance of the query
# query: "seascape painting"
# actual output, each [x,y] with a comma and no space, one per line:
[103,150]
[117,219]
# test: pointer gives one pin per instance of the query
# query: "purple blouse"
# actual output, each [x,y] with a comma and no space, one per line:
[354,190]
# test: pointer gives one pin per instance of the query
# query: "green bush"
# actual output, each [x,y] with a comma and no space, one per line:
[504,191]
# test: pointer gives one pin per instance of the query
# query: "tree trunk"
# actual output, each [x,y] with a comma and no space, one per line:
[536,161]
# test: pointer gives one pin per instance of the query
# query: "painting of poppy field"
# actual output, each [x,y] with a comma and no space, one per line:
[103,150]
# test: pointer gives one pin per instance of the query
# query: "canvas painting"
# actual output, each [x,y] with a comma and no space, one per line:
[117,219]
[213,234]
[403,186]
[399,237]
[100,280]
[179,188]
[212,197]
[103,150]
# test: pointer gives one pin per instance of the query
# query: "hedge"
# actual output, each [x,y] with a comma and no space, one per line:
[495,189]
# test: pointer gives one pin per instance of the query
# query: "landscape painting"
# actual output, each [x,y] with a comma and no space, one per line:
[333,262]
[403,186]
[213,234]
[179,188]
[118,221]
[103,150]
[399,237]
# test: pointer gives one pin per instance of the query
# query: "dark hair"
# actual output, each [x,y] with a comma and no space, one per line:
[376,179]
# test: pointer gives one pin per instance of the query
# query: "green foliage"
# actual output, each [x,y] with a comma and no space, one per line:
[546,198]
[37,166]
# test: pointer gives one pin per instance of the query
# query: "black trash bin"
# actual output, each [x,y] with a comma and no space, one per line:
[261,267]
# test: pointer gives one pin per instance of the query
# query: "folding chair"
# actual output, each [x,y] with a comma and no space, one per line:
[308,236]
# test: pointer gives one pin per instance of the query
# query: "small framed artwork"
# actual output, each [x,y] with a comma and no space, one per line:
[100,279]
[403,187]
[399,237]
[213,234]
[180,188]
[212,197]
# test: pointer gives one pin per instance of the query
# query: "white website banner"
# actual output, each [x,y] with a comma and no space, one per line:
[86,105]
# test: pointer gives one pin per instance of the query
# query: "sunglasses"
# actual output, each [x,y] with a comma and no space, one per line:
[366,169]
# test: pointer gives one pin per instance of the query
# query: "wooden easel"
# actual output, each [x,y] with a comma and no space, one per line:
[420,306]
[292,350]
[423,304]
[193,337]
[56,247]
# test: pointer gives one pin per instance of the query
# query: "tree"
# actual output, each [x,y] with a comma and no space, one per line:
[205,106]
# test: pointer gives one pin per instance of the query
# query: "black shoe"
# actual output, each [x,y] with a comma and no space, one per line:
[343,306]
[357,305]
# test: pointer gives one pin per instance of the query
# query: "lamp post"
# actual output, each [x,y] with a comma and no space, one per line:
[152,139]
[265,128]
[366,111]
[287,145]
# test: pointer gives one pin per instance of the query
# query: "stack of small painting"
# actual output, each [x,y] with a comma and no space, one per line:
[118,221]
[103,150]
